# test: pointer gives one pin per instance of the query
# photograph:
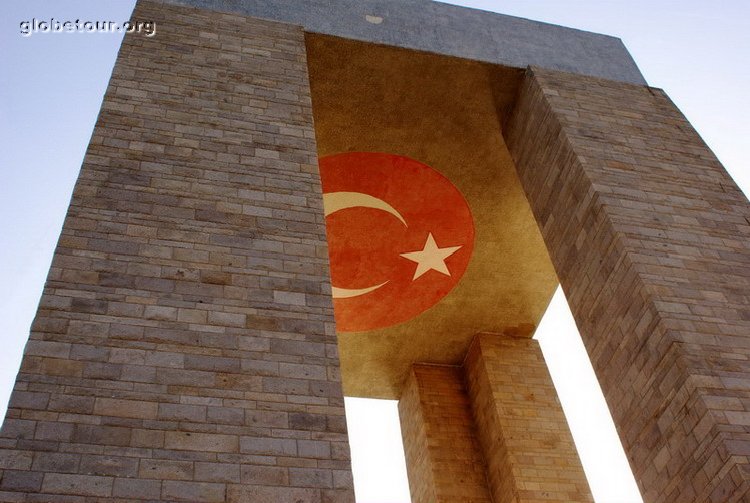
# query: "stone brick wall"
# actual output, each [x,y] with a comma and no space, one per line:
[443,456]
[184,348]
[490,431]
[649,237]
[520,424]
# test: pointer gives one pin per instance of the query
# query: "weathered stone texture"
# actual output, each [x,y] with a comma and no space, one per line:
[523,432]
[184,348]
[649,236]
[443,456]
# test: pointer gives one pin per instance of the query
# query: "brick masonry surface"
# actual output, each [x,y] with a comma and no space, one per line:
[443,456]
[184,348]
[649,237]
[490,431]
[520,424]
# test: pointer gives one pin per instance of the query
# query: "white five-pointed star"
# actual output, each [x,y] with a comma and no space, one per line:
[430,257]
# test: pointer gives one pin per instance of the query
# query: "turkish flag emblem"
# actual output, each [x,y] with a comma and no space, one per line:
[400,237]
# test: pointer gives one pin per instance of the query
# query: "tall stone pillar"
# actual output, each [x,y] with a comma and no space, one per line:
[520,424]
[184,348]
[492,430]
[443,456]
[650,239]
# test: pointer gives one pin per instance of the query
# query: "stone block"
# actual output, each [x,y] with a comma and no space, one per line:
[77,485]
[197,492]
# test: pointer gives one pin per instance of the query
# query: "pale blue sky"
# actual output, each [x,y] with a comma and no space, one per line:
[51,87]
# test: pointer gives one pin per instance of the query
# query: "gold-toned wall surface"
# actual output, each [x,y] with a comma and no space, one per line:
[445,113]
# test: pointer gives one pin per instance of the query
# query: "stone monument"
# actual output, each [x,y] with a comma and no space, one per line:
[287,201]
